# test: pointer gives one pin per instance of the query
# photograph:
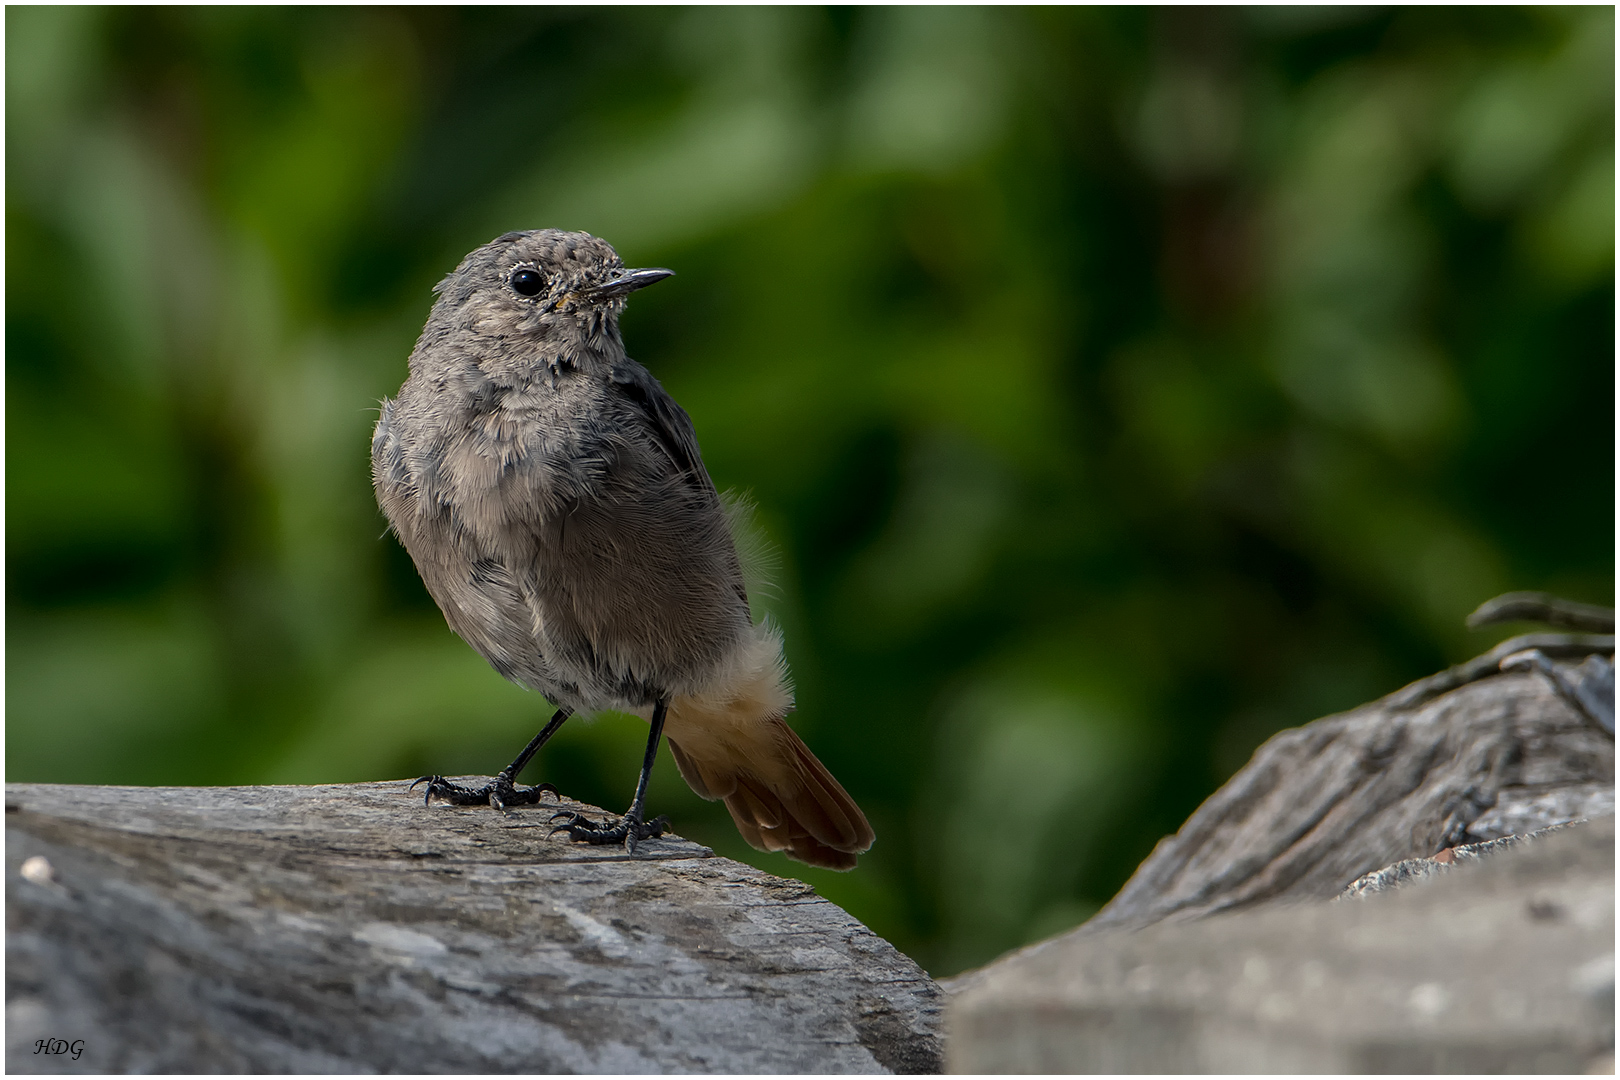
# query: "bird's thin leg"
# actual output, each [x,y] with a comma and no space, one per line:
[523,759]
[630,828]
[502,791]
[639,803]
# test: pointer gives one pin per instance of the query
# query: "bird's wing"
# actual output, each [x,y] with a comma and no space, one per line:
[669,421]
[675,434]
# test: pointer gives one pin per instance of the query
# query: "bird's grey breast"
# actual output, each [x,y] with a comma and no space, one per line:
[496,458]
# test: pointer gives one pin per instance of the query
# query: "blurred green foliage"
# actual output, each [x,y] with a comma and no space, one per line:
[1116,386]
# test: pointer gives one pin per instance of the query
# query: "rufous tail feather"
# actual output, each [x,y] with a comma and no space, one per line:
[732,744]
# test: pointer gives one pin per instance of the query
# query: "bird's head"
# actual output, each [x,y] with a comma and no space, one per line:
[562,288]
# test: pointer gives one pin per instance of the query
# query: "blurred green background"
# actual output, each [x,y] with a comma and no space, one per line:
[1116,386]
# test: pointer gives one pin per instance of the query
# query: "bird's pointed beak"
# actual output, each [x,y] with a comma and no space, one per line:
[628,282]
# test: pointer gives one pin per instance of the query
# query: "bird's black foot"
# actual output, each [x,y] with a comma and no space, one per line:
[629,829]
[499,792]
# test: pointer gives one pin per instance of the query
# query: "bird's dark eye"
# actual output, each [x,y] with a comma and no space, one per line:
[527,282]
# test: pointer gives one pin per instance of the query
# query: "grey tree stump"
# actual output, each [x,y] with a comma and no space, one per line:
[350,929]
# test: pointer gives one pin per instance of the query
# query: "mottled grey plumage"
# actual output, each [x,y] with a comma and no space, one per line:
[555,502]
[551,492]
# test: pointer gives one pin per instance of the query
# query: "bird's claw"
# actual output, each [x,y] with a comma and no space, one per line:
[434,783]
[499,792]
[628,829]
[568,819]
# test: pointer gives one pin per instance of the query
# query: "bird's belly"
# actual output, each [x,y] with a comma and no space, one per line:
[596,612]
[587,571]
[634,611]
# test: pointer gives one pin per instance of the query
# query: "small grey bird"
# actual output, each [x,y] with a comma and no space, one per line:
[554,501]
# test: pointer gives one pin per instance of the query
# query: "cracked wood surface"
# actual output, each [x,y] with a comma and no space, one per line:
[347,928]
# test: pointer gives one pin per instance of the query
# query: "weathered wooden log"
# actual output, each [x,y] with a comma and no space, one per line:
[1466,755]
[1469,754]
[1502,963]
[1213,957]
[348,928]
